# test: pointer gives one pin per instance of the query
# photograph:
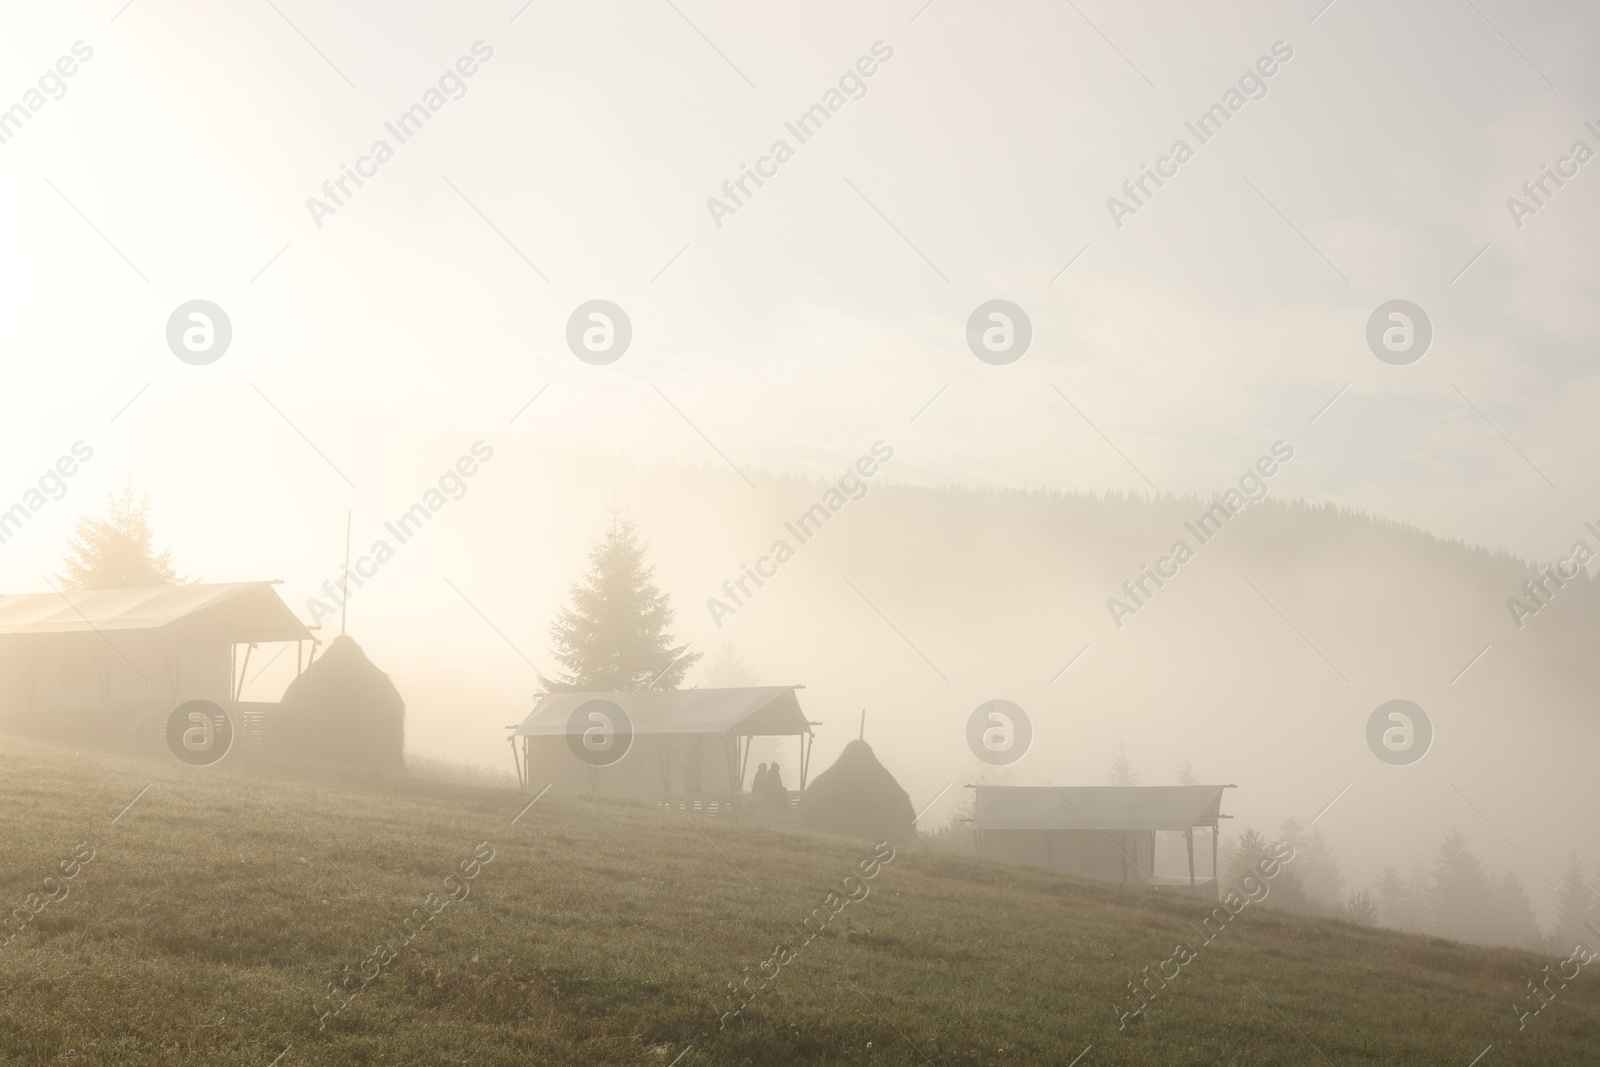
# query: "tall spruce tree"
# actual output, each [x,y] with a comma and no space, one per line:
[1459,897]
[614,635]
[115,550]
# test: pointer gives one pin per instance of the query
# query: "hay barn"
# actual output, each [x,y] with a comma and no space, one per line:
[858,797]
[690,747]
[341,709]
[1105,832]
[109,665]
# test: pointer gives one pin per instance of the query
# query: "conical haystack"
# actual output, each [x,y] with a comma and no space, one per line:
[858,797]
[345,710]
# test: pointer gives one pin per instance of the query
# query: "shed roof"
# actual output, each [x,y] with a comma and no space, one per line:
[240,611]
[761,710]
[1096,807]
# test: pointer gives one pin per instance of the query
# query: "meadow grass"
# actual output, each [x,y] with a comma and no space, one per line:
[218,909]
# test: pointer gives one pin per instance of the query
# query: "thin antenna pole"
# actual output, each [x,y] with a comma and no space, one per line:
[863,736]
[344,603]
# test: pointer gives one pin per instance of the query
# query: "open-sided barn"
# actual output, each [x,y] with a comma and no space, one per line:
[688,746]
[1106,832]
[110,664]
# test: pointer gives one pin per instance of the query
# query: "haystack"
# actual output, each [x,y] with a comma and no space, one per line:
[858,797]
[343,709]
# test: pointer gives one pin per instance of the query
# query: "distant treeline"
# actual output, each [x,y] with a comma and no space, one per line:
[1454,897]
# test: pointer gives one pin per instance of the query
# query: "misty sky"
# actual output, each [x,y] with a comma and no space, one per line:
[371,351]
[804,327]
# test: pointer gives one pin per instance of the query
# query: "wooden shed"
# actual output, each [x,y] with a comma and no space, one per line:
[690,747]
[1105,832]
[109,665]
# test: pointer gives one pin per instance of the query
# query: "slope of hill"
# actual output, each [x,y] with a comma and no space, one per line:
[1261,661]
[188,917]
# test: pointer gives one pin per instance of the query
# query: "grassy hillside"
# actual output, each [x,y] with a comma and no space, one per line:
[217,910]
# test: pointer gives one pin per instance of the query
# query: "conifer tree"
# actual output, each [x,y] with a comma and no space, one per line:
[1514,920]
[1397,904]
[1294,894]
[1244,856]
[1459,897]
[115,550]
[1122,772]
[1289,888]
[1187,774]
[1575,905]
[1422,918]
[1591,927]
[1319,868]
[614,635]
[728,670]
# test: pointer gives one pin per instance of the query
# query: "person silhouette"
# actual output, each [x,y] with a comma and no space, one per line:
[756,809]
[775,787]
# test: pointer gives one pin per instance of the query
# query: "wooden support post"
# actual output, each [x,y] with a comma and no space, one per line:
[1188,839]
[244,669]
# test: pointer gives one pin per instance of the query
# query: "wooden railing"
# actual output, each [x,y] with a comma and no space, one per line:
[251,720]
